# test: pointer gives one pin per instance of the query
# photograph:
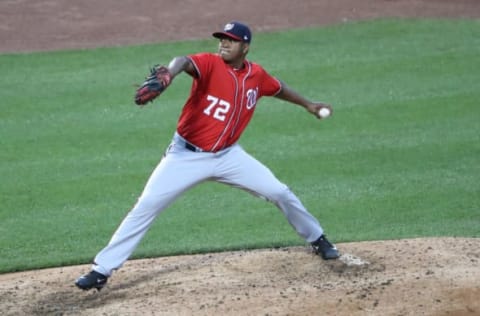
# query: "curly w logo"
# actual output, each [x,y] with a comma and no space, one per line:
[252,95]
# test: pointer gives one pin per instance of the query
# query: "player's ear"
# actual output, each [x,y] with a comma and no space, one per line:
[246,47]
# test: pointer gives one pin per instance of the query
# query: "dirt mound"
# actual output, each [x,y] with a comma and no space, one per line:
[436,276]
[407,277]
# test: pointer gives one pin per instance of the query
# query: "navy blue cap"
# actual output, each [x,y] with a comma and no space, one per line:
[235,30]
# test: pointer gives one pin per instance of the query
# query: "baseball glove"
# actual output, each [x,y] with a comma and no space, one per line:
[153,85]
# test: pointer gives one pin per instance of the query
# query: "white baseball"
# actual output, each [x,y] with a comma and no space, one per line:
[324,112]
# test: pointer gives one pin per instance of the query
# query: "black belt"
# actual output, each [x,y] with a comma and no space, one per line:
[192,147]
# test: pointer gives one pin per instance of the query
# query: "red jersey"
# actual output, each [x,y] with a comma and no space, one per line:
[222,101]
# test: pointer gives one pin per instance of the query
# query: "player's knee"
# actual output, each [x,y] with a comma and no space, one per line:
[280,194]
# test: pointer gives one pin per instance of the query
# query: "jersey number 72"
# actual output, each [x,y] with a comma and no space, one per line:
[218,106]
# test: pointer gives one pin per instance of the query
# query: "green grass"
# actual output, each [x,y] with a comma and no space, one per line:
[399,158]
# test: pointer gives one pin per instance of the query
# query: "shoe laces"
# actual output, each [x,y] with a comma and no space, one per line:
[321,242]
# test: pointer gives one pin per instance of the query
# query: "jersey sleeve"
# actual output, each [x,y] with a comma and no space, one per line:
[203,63]
[271,86]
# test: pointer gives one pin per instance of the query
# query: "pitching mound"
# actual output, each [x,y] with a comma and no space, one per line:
[406,277]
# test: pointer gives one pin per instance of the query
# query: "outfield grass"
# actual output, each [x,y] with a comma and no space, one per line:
[399,158]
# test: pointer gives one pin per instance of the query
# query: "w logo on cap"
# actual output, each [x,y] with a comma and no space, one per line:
[235,30]
[229,26]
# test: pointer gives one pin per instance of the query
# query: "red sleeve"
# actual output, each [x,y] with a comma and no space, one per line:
[271,86]
[202,62]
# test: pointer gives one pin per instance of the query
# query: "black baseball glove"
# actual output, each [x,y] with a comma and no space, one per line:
[154,85]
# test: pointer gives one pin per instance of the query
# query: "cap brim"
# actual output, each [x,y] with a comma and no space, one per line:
[225,34]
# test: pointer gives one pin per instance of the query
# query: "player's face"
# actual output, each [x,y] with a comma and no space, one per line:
[231,50]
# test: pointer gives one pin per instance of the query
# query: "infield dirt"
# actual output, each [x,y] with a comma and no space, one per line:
[430,276]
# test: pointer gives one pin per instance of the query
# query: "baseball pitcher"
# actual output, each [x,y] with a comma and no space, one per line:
[224,94]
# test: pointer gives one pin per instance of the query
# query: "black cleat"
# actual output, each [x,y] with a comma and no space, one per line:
[91,280]
[325,248]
